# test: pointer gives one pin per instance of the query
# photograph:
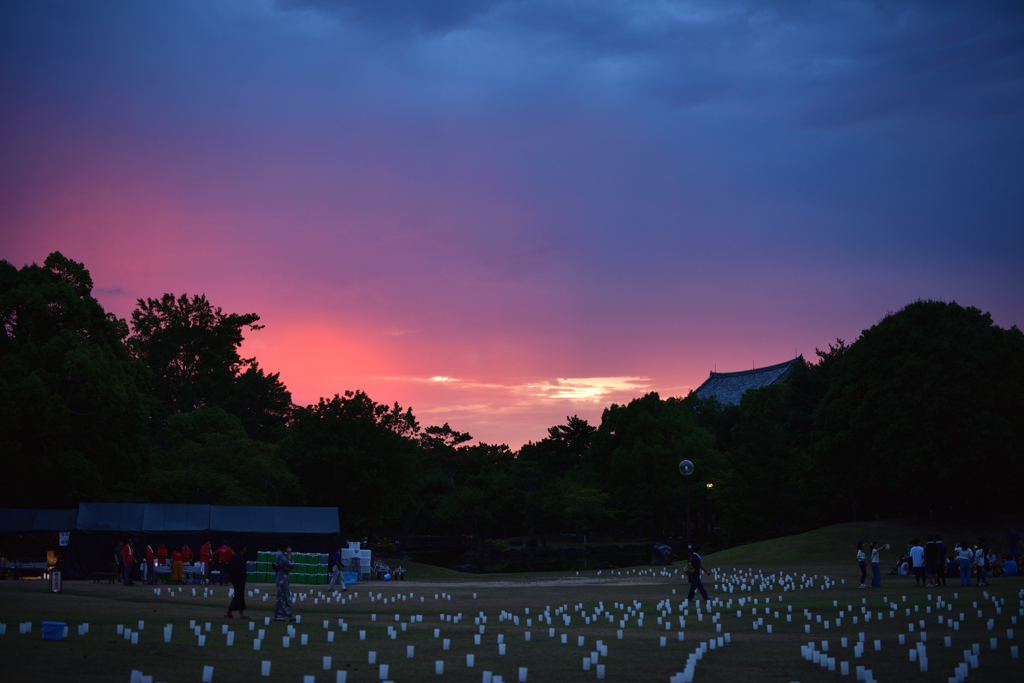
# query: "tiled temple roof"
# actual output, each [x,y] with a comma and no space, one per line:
[728,387]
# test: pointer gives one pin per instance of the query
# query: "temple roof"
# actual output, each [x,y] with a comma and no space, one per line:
[729,387]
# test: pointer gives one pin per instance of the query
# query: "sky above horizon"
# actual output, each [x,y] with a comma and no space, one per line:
[505,212]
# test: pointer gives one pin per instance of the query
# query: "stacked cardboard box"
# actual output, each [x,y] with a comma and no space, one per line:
[357,561]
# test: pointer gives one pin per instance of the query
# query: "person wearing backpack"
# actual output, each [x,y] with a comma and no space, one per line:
[692,571]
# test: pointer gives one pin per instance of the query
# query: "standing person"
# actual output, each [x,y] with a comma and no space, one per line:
[1013,545]
[236,574]
[876,569]
[282,566]
[118,565]
[129,559]
[205,557]
[177,570]
[940,569]
[964,555]
[696,567]
[917,558]
[931,562]
[146,564]
[222,555]
[953,566]
[862,561]
[161,554]
[981,563]
[337,571]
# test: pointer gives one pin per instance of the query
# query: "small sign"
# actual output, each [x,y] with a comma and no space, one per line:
[64,537]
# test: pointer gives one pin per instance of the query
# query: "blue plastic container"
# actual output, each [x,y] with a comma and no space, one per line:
[53,630]
[350,578]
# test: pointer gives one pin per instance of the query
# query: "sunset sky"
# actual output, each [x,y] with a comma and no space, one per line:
[505,212]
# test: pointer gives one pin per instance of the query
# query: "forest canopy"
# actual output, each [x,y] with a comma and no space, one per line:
[911,418]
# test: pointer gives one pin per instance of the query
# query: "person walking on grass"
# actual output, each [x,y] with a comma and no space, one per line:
[337,571]
[862,560]
[283,564]
[876,569]
[236,575]
[693,575]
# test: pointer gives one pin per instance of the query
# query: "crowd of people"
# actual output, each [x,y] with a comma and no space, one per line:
[137,558]
[223,565]
[931,563]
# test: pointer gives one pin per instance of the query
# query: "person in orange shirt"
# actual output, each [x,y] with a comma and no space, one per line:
[177,570]
[161,554]
[129,559]
[222,555]
[205,557]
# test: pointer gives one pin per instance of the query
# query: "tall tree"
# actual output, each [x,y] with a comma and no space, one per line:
[928,401]
[73,410]
[192,349]
[357,454]
[207,457]
[261,402]
[636,453]
[563,447]
[765,488]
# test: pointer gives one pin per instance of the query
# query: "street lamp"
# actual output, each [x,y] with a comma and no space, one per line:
[686,469]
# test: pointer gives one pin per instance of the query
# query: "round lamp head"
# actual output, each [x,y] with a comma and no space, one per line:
[686,468]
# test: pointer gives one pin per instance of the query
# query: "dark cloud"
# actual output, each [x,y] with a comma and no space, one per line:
[426,16]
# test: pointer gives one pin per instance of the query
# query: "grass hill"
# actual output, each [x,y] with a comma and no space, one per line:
[838,543]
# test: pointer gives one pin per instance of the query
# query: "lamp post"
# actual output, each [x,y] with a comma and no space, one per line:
[686,469]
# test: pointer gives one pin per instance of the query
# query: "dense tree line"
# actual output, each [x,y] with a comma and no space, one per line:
[923,414]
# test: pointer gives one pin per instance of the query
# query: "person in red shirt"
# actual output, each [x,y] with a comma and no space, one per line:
[222,555]
[148,570]
[129,558]
[161,554]
[186,556]
[177,571]
[205,557]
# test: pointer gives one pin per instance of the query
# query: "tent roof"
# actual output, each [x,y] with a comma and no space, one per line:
[156,518]
[16,521]
[729,387]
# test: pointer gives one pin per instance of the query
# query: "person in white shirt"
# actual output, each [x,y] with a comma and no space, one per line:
[964,554]
[981,564]
[917,557]
[876,570]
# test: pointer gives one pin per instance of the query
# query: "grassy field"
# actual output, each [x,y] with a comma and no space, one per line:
[837,544]
[752,653]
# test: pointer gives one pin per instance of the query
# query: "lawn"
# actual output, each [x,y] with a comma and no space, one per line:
[810,594]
